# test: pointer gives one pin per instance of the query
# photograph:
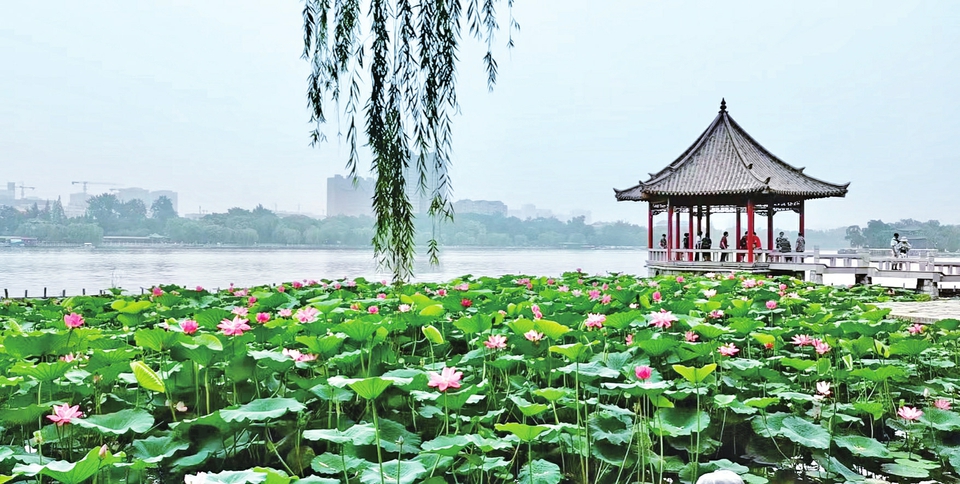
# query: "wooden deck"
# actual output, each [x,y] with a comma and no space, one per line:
[929,273]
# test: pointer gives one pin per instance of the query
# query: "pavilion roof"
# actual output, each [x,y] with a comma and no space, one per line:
[725,161]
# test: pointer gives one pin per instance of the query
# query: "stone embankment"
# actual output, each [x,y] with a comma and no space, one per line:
[924,312]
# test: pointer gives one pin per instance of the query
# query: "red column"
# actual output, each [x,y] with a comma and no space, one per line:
[650,226]
[750,231]
[801,217]
[669,230]
[690,238]
[676,237]
[770,227]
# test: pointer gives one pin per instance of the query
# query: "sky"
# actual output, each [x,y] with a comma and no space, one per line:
[208,99]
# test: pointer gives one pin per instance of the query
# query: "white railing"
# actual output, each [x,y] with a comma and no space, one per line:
[724,255]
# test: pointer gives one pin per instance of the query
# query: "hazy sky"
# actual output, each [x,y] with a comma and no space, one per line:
[207,98]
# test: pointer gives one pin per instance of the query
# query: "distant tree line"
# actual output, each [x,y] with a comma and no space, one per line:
[877,234]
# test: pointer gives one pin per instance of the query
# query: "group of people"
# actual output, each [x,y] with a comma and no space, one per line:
[703,242]
[900,248]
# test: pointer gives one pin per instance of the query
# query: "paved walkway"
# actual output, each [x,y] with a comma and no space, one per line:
[925,312]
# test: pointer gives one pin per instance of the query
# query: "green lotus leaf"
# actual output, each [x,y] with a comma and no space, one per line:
[761,402]
[146,377]
[261,409]
[337,464]
[394,472]
[805,433]
[524,432]
[551,329]
[903,470]
[118,423]
[910,347]
[573,351]
[44,372]
[695,375]
[941,419]
[433,334]
[448,445]
[357,434]
[657,347]
[359,329]
[552,394]
[539,472]
[472,325]
[36,344]
[370,388]
[432,310]
[676,422]
[863,446]
[154,449]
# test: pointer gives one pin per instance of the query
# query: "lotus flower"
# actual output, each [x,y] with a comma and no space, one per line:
[749,283]
[563,288]
[909,413]
[576,293]
[802,340]
[281,288]
[606,299]
[680,279]
[594,294]
[462,287]
[690,336]
[709,293]
[69,358]
[915,329]
[285,312]
[441,292]
[783,287]
[263,317]
[771,304]
[821,347]
[466,302]
[373,310]
[296,284]
[189,326]
[643,372]
[449,377]
[595,321]
[381,296]
[307,314]
[239,311]
[251,300]
[533,335]
[236,327]
[73,320]
[404,308]
[823,388]
[942,403]
[729,349]
[716,314]
[496,342]
[536,312]
[629,339]
[62,414]
[296,355]
[199,289]
[656,296]
[663,320]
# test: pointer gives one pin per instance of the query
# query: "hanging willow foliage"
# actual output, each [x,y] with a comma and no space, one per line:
[412,52]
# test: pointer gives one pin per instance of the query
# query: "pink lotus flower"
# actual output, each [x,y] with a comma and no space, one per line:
[821,347]
[462,287]
[240,311]
[199,289]
[337,286]
[496,342]
[749,283]
[404,308]
[656,296]
[351,283]
[281,288]
[449,377]
[381,296]
[523,281]
[355,306]
[234,327]
[189,326]
[298,356]
[240,292]
[709,293]
[251,300]
[768,346]
[68,358]
[594,294]
[595,321]
[263,317]
[296,284]
[728,349]
[63,414]
[576,293]
[771,305]
[156,291]
[441,292]
[373,310]
[629,339]
[563,289]
[716,314]
[307,314]
[680,279]
[915,329]
[180,407]
[690,336]
[909,413]
[466,302]
[606,299]
[802,340]
[285,312]
[663,320]
[73,320]
[643,372]
[551,282]
[942,403]
[783,287]
[653,284]
[823,388]
[533,335]
[536,311]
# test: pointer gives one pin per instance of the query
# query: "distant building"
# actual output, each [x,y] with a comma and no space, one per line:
[144,195]
[77,205]
[485,207]
[343,198]
[530,211]
[9,195]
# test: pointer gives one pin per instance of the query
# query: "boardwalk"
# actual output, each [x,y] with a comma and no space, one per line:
[929,273]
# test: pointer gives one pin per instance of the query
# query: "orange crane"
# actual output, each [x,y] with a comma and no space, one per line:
[22,188]
[85,183]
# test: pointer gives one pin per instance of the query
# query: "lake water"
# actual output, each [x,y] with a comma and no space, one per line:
[74,269]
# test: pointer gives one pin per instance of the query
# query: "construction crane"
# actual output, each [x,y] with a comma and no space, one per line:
[22,188]
[85,183]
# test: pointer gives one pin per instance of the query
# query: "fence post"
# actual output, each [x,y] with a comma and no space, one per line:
[64,293]
[84,291]
[44,293]
[5,294]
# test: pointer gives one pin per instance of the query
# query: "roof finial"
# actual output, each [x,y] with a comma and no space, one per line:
[723,105]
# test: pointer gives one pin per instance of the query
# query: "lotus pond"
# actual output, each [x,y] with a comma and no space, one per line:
[536,380]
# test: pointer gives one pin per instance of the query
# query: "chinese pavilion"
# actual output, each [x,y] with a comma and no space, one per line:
[725,171]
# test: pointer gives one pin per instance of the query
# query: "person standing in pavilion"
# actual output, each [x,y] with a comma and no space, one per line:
[663,241]
[801,244]
[783,245]
[757,245]
[697,243]
[723,247]
[742,245]
[685,244]
[895,248]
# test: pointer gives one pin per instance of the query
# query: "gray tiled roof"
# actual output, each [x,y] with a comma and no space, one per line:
[725,160]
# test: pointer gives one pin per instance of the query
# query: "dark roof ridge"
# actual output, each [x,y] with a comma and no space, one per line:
[686,154]
[736,147]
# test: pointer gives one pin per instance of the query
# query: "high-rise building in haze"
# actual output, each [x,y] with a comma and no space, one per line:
[420,199]
[485,207]
[343,198]
[9,195]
